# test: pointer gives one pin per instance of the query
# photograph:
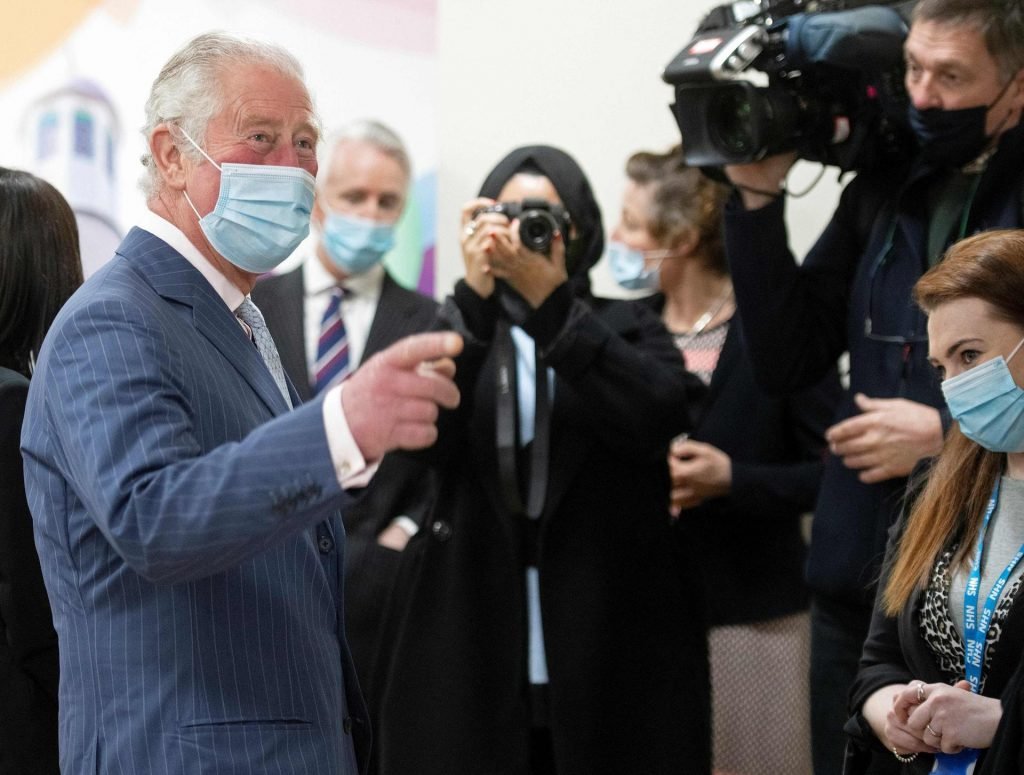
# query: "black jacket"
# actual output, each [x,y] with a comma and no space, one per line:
[28,644]
[895,652]
[623,625]
[798,319]
[749,543]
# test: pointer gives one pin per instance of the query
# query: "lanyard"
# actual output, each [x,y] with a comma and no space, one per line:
[975,624]
[975,630]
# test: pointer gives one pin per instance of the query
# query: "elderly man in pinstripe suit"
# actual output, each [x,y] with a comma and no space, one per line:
[187,520]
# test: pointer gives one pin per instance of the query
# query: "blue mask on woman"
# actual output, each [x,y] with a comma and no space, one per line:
[629,268]
[355,245]
[261,215]
[988,404]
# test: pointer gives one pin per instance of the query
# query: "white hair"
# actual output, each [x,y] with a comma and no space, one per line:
[367,130]
[187,91]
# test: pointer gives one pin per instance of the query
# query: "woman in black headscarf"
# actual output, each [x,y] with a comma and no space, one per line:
[548,623]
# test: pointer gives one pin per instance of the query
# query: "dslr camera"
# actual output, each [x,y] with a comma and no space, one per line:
[819,77]
[539,219]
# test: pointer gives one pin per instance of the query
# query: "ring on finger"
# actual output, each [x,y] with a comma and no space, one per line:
[920,691]
[932,732]
[471,228]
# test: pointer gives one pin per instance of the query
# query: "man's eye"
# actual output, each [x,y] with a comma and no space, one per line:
[260,137]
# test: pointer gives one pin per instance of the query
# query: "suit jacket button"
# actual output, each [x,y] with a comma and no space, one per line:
[442,530]
[326,544]
[346,724]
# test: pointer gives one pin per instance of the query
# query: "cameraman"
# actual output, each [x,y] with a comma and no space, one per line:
[852,293]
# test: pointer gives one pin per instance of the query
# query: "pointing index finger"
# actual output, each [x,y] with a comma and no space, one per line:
[414,350]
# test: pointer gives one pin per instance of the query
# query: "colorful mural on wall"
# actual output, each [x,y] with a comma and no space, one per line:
[75,75]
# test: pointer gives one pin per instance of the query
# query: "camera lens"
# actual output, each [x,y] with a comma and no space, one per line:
[730,117]
[536,230]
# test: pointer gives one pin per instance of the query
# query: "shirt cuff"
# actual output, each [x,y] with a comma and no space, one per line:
[350,467]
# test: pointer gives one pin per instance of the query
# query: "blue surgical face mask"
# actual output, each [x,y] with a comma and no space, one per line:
[629,268]
[261,215]
[988,404]
[355,245]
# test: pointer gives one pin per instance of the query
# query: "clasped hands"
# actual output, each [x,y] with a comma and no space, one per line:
[698,471]
[492,249]
[929,718]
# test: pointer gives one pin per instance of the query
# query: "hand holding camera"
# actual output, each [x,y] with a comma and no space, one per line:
[760,182]
[521,243]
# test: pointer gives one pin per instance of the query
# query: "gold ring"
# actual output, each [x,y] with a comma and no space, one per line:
[932,731]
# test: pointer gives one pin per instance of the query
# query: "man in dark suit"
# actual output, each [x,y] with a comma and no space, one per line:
[338,308]
[187,519]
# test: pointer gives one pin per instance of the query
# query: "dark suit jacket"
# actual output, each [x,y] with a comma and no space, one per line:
[401,486]
[281,299]
[189,534]
[28,643]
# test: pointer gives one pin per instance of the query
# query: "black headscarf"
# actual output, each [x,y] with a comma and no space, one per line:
[574,190]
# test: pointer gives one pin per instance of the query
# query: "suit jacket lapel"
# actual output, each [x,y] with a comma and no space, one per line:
[175,279]
[387,320]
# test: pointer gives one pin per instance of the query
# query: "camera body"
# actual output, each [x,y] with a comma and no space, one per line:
[761,78]
[539,219]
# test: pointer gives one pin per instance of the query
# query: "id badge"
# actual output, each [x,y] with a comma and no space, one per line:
[956,763]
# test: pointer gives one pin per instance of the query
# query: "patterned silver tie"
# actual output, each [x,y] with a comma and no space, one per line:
[250,314]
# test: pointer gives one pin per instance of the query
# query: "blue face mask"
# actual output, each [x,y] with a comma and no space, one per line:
[261,215]
[630,270]
[988,404]
[356,244]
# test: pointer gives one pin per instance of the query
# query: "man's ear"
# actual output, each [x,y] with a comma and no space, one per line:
[167,156]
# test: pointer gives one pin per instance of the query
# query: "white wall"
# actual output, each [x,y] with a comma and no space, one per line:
[584,75]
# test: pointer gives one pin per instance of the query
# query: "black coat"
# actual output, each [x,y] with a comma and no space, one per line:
[623,627]
[749,542]
[28,643]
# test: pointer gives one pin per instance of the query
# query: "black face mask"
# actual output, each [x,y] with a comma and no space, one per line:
[952,138]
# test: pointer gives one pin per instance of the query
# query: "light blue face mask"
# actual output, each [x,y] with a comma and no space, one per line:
[261,215]
[356,244]
[988,404]
[629,268]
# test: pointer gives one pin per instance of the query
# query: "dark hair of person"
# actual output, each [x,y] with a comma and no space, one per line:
[990,267]
[40,265]
[682,198]
[569,180]
[1000,22]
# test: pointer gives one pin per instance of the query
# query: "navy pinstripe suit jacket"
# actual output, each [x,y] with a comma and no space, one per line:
[189,534]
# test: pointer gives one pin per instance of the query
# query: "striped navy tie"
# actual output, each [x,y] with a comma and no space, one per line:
[332,362]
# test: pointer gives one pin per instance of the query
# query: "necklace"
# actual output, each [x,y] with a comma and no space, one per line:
[684,339]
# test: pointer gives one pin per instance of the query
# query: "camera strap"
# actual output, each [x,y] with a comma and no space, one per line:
[507,415]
